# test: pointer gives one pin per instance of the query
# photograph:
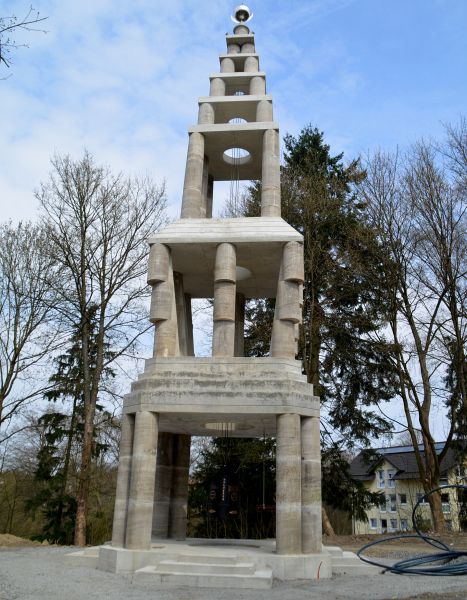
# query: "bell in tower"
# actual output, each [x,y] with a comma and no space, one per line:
[180,395]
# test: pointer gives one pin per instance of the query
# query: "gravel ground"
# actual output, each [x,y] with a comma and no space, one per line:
[46,574]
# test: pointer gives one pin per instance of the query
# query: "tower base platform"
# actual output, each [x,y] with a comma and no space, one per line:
[245,564]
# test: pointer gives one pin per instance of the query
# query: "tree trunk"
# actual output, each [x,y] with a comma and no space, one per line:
[327,527]
[439,523]
[83,488]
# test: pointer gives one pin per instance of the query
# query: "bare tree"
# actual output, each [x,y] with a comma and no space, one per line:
[10,26]
[420,214]
[98,224]
[28,315]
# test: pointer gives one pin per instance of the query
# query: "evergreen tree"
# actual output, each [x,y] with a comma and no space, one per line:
[345,294]
[251,464]
[63,432]
[345,289]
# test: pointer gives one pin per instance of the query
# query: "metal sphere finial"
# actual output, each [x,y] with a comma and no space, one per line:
[242,14]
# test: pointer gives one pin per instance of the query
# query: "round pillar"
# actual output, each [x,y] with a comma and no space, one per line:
[233,49]
[311,486]
[223,339]
[227,65]
[251,64]
[206,115]
[162,486]
[143,470]
[193,205]
[123,481]
[288,485]
[179,497]
[264,111]
[257,86]
[217,87]
[271,184]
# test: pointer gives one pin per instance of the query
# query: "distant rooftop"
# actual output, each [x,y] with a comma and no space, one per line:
[402,458]
[399,449]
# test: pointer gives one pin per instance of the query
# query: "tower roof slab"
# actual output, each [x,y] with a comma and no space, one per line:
[258,240]
[231,107]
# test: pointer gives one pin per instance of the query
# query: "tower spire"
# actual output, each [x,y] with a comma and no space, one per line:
[242,14]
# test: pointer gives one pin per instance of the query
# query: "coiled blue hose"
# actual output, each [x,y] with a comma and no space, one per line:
[416,564]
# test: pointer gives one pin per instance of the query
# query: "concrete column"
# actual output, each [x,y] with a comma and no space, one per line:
[239,325]
[163,312]
[162,486]
[158,265]
[179,497]
[264,111]
[217,87]
[123,481]
[293,263]
[257,86]
[233,49]
[190,349]
[184,323]
[288,485]
[205,186]
[143,469]
[227,65]
[251,64]
[287,314]
[248,48]
[209,197]
[206,115]
[241,29]
[311,486]
[271,179]
[193,205]
[223,339]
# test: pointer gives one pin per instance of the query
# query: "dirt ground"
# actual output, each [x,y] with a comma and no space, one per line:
[396,548]
[347,542]
[12,541]
[33,571]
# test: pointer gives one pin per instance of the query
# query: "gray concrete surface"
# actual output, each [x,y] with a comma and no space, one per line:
[46,574]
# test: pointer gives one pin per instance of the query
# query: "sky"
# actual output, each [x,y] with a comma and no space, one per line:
[122,79]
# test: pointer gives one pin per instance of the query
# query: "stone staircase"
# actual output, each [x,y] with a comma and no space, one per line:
[206,570]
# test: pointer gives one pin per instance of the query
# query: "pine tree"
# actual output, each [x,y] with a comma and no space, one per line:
[63,432]
[345,292]
[345,289]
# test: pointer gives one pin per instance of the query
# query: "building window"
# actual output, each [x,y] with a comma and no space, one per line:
[393,523]
[392,503]
[404,525]
[445,503]
[403,499]
[373,523]
[381,479]
[391,480]
[383,506]
[419,496]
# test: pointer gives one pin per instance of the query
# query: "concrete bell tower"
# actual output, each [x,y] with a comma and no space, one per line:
[231,260]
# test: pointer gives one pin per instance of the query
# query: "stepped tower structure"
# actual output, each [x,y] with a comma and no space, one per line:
[230,260]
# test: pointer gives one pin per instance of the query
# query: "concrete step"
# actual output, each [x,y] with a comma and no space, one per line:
[234,568]
[214,384]
[88,557]
[214,559]
[349,564]
[260,580]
